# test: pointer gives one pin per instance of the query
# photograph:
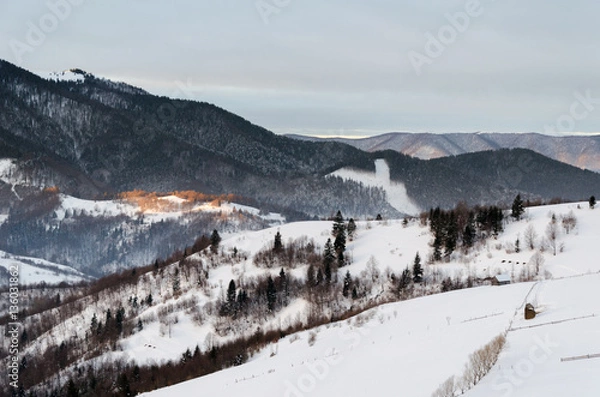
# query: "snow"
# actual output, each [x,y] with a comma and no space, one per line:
[414,346]
[35,270]
[396,191]
[396,345]
[532,361]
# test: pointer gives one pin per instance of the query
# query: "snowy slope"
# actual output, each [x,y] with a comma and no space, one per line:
[413,346]
[391,350]
[396,192]
[547,356]
[35,270]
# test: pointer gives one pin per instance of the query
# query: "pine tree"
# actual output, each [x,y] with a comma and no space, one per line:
[277,245]
[284,287]
[592,202]
[310,276]
[271,295]
[347,284]
[94,324]
[72,390]
[338,224]
[417,269]
[215,240]
[119,318]
[517,208]
[123,385]
[327,273]
[451,235]
[351,229]
[437,246]
[319,277]
[340,246]
[328,253]
[229,307]
[176,283]
[405,280]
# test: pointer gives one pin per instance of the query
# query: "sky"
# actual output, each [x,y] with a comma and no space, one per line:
[337,67]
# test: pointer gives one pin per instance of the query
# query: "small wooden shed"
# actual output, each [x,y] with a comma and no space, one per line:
[529,311]
[501,279]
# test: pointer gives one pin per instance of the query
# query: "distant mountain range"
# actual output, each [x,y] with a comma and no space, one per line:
[580,151]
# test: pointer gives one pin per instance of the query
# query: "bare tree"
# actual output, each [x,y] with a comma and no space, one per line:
[552,234]
[569,222]
[530,237]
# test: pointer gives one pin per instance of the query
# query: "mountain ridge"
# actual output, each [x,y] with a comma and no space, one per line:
[582,151]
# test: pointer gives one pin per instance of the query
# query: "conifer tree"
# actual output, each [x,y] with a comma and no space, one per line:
[592,202]
[338,224]
[215,240]
[351,229]
[417,269]
[517,208]
[347,284]
[271,295]
[277,245]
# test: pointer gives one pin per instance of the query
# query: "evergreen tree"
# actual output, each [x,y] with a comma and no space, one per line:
[94,324]
[469,235]
[405,279]
[319,277]
[328,253]
[347,284]
[417,269]
[119,318]
[327,273]
[340,246]
[123,385]
[215,240]
[229,307]
[354,293]
[271,295]
[451,235]
[310,276]
[437,246]
[338,224]
[72,390]
[517,246]
[277,245]
[351,229]
[517,208]
[176,283]
[592,202]
[283,287]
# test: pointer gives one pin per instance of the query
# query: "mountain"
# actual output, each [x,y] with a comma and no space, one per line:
[483,178]
[92,136]
[78,135]
[579,151]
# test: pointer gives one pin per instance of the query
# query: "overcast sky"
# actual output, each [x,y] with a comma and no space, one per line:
[337,67]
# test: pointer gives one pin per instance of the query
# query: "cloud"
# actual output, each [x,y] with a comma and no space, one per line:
[336,65]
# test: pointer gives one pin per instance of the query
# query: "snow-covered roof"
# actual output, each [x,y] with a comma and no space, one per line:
[503,278]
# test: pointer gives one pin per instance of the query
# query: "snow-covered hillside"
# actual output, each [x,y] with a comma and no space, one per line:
[413,346]
[35,270]
[405,348]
